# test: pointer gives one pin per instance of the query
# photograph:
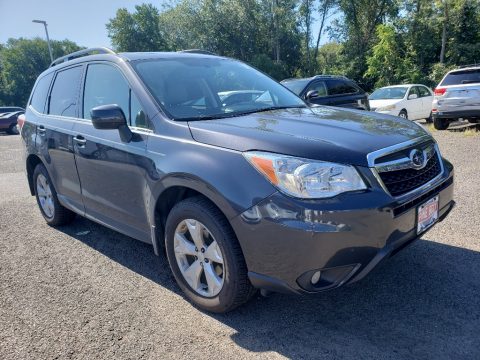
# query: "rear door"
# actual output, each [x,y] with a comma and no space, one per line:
[345,94]
[463,91]
[427,98]
[414,106]
[54,140]
[112,173]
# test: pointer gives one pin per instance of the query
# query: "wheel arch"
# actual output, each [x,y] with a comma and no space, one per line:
[180,187]
[31,163]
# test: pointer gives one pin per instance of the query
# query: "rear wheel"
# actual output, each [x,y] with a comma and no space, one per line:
[205,256]
[403,114]
[53,212]
[441,124]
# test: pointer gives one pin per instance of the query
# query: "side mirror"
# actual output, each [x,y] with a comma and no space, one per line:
[312,94]
[412,96]
[111,117]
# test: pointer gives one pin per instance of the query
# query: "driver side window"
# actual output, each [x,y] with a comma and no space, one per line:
[318,86]
[104,84]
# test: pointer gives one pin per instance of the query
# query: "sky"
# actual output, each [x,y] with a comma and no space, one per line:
[81,21]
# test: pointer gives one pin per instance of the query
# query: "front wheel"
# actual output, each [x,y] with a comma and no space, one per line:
[13,130]
[205,256]
[429,119]
[441,124]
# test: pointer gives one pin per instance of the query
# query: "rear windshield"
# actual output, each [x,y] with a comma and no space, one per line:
[462,77]
[296,86]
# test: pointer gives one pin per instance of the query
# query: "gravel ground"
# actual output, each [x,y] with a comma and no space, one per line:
[65,293]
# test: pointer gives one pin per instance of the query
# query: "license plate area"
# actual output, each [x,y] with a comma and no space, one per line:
[427,214]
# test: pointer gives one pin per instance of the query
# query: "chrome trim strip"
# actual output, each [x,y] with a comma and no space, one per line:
[394,148]
[389,150]
[405,162]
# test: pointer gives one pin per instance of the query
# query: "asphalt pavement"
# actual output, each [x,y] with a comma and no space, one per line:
[85,292]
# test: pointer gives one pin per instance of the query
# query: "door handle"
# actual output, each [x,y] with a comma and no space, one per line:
[41,130]
[80,140]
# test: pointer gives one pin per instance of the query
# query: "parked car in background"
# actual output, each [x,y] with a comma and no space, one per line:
[259,192]
[409,101]
[8,119]
[329,90]
[457,96]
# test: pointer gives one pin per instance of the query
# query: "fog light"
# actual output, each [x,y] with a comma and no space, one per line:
[315,277]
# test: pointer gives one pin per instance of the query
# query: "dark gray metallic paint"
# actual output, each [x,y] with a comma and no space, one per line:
[120,184]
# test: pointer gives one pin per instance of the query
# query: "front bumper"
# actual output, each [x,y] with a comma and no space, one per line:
[285,240]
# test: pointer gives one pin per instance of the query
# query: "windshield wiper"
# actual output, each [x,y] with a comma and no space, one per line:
[243,113]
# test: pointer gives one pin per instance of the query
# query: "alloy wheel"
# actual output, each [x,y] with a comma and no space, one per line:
[199,258]
[45,196]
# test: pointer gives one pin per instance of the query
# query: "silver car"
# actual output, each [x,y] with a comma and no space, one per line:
[457,97]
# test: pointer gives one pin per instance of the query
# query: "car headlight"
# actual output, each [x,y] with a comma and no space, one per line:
[386,108]
[303,178]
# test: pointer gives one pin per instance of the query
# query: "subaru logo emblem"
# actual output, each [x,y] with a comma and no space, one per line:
[417,157]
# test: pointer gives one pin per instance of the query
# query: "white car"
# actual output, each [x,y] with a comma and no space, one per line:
[410,101]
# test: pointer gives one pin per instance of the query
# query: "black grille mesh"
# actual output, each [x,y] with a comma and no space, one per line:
[403,181]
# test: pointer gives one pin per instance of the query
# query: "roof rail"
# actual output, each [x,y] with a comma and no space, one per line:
[80,53]
[469,65]
[197,51]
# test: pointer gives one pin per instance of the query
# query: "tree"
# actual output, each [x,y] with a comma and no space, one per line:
[386,63]
[22,60]
[139,31]
[357,30]
[324,11]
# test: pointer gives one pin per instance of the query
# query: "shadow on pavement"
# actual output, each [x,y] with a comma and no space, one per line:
[423,303]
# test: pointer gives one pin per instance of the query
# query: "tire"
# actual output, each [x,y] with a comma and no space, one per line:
[236,288]
[403,114]
[54,213]
[441,124]
[12,130]
[429,120]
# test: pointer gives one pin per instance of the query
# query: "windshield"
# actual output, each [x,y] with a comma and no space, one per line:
[389,93]
[195,88]
[296,86]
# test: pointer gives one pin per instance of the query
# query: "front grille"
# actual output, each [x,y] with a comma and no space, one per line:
[403,181]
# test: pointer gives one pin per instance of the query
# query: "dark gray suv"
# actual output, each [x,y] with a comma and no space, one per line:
[232,175]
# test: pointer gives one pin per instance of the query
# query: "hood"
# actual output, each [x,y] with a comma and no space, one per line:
[321,133]
[383,102]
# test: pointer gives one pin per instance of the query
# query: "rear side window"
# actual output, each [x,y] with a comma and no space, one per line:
[63,98]
[39,97]
[462,77]
[423,91]
[340,87]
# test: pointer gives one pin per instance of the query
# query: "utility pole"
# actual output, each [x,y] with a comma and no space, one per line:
[48,39]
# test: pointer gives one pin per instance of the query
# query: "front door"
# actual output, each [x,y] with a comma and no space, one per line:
[54,136]
[113,173]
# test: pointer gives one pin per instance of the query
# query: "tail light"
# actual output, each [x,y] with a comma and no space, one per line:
[440,91]
[20,121]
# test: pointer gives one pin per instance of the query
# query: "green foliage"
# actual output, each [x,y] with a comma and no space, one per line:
[22,60]
[375,42]
[138,31]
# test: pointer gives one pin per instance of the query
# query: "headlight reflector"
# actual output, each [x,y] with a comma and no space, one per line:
[306,179]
